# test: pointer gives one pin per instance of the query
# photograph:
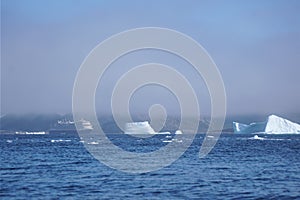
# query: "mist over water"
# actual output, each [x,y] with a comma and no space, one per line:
[254,45]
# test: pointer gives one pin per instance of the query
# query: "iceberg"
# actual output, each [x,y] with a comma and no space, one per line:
[279,125]
[251,128]
[141,128]
[273,125]
[256,137]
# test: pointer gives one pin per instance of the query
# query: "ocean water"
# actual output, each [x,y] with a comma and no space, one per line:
[56,166]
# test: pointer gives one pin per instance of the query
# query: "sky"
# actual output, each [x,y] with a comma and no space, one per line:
[255,44]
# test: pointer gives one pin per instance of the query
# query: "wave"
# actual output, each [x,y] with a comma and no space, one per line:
[31,133]
[256,137]
[60,140]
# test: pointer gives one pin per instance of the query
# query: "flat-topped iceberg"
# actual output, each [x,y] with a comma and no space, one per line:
[141,128]
[273,125]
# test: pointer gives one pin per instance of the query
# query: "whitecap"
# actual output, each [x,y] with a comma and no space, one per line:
[93,143]
[176,140]
[60,140]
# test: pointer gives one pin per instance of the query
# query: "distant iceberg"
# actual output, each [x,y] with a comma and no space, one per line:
[273,125]
[141,128]
[178,132]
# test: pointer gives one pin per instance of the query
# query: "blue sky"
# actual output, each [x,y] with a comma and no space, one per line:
[255,44]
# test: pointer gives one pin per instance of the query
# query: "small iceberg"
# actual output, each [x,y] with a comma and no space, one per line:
[178,132]
[256,137]
[273,125]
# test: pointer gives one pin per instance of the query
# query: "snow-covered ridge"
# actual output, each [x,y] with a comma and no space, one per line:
[273,125]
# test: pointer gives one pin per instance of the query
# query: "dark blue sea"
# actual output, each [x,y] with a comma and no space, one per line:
[57,166]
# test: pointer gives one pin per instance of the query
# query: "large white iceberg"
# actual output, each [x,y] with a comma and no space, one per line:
[141,128]
[273,125]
